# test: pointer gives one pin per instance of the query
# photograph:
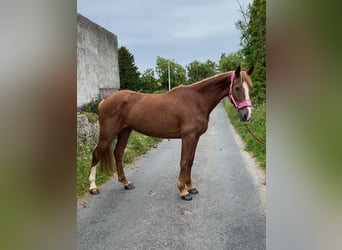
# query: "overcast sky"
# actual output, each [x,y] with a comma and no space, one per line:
[182,30]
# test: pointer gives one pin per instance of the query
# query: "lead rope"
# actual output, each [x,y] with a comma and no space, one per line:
[251,132]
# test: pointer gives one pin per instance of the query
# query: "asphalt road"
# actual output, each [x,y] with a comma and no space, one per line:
[228,212]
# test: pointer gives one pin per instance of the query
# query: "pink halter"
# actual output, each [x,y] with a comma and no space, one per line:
[241,105]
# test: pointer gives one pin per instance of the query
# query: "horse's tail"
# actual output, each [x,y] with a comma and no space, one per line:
[107,161]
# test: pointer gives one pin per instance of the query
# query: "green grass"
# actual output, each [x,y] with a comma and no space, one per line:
[138,145]
[257,125]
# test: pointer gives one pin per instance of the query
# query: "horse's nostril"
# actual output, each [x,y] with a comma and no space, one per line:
[245,117]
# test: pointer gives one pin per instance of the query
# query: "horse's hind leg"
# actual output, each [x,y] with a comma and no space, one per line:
[100,149]
[118,153]
[107,133]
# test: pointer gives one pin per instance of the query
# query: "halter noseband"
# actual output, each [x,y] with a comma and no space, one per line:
[241,105]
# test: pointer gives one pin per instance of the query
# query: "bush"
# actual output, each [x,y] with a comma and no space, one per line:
[91,106]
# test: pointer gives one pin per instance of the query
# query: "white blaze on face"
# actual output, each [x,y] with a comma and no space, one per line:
[245,87]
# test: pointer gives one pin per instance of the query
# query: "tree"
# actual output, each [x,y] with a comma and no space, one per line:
[230,61]
[253,42]
[148,83]
[129,74]
[198,70]
[177,72]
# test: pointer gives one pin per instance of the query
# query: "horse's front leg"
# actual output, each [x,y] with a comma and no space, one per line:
[189,144]
[191,187]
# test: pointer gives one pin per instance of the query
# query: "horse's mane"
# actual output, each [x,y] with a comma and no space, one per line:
[211,78]
[201,81]
[243,74]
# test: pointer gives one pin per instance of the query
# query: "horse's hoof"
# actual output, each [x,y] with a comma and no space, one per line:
[193,191]
[94,191]
[186,197]
[129,186]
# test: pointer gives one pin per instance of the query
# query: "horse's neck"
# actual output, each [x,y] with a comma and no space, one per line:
[213,91]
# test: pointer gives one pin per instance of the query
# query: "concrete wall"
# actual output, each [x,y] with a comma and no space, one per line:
[97,61]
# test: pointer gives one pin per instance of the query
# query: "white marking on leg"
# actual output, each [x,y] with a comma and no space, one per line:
[245,87]
[92,178]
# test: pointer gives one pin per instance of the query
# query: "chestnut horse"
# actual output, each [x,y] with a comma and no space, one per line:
[182,113]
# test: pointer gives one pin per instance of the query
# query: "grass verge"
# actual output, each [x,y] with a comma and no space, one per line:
[257,125]
[138,145]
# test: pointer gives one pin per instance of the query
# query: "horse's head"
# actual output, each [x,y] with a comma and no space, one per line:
[239,91]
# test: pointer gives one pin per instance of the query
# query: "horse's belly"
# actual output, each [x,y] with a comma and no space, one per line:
[161,127]
[165,134]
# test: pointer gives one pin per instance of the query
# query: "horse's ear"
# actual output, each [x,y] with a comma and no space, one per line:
[250,71]
[237,71]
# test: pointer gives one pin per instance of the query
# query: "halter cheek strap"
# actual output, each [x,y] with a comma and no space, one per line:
[241,105]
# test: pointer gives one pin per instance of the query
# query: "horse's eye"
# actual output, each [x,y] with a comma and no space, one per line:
[237,89]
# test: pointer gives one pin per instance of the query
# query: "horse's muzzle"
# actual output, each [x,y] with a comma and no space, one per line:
[245,114]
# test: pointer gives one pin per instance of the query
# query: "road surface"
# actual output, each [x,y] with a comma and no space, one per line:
[228,212]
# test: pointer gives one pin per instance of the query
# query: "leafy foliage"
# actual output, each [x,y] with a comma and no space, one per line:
[129,74]
[253,42]
[148,83]
[91,106]
[198,70]
[230,61]
[177,73]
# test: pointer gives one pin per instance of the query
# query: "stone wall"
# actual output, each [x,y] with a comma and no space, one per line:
[87,132]
[97,61]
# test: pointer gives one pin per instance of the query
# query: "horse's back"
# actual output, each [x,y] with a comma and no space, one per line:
[128,103]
